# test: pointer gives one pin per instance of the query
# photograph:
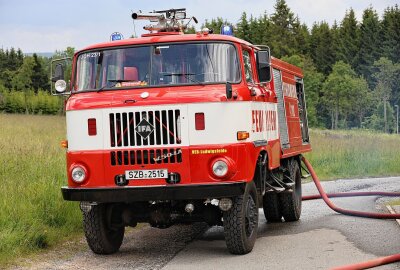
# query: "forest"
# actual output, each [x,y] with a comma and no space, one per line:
[351,68]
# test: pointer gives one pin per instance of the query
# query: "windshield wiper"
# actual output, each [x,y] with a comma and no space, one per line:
[115,82]
[120,81]
[186,75]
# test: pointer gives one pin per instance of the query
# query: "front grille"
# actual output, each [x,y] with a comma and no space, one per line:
[143,157]
[165,123]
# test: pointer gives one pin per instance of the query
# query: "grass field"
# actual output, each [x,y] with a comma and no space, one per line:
[354,153]
[33,215]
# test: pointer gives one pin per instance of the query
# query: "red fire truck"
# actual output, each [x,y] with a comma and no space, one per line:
[176,128]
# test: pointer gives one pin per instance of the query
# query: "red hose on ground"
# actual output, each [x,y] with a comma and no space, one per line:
[371,263]
[325,197]
[352,194]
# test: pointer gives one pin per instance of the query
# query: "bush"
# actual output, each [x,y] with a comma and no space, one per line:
[29,102]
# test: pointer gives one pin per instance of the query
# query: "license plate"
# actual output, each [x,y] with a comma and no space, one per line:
[146,174]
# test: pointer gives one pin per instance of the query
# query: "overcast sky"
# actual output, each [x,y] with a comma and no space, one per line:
[46,26]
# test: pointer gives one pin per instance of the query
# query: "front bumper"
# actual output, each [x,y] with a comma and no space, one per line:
[153,193]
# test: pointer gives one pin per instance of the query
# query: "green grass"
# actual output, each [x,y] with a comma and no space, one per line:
[354,153]
[33,215]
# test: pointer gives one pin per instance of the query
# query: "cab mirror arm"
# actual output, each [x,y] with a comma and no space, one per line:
[228,90]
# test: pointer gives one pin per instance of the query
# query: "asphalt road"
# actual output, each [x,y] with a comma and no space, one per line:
[320,240]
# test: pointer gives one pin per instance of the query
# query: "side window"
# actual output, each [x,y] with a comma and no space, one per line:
[248,70]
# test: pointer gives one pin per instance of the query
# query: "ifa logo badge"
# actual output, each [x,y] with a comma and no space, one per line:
[144,129]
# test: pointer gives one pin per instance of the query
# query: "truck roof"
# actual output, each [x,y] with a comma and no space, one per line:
[166,37]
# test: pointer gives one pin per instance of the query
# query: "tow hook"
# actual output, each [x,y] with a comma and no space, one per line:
[173,178]
[120,180]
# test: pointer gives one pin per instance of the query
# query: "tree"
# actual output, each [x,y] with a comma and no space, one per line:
[361,100]
[376,120]
[337,92]
[283,25]
[387,85]
[20,57]
[254,33]
[391,33]
[264,29]
[370,44]
[39,76]
[68,52]
[349,39]
[12,62]
[322,51]
[243,28]
[22,79]
[302,38]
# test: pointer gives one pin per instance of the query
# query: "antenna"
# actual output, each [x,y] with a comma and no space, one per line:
[170,20]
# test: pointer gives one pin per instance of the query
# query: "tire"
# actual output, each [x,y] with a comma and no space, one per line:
[291,201]
[272,207]
[241,221]
[101,238]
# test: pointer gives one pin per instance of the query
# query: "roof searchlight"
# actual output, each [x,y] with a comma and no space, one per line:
[171,20]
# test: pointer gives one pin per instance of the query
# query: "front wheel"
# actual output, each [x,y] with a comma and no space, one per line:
[241,221]
[103,233]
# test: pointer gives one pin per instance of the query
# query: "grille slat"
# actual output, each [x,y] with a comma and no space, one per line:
[144,157]
[131,129]
[165,123]
[125,127]
[158,128]
[118,129]
[112,129]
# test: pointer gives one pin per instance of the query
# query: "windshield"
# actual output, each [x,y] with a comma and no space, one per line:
[166,64]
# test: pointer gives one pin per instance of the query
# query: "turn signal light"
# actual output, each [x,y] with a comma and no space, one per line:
[242,135]
[64,144]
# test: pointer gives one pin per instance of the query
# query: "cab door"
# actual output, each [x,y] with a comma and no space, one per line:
[256,92]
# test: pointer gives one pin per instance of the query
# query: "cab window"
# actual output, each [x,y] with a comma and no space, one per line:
[248,70]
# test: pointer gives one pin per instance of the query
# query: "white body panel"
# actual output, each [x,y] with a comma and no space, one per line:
[222,122]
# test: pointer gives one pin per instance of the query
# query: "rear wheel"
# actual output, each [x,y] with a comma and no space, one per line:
[271,207]
[291,200]
[241,221]
[103,229]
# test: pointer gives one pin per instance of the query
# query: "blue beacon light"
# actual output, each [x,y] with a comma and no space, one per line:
[116,36]
[227,30]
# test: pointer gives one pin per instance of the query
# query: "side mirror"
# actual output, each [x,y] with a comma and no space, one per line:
[264,65]
[60,75]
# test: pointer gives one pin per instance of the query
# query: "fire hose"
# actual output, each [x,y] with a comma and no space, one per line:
[325,197]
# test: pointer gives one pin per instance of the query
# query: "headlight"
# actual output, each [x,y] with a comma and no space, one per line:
[78,174]
[220,168]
